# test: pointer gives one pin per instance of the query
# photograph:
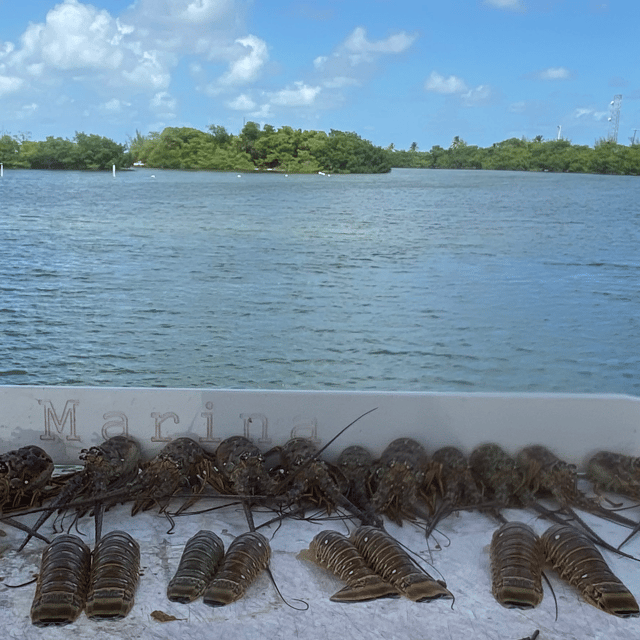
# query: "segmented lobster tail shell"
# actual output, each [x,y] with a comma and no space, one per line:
[577,561]
[62,583]
[114,576]
[246,557]
[387,558]
[200,559]
[337,553]
[516,566]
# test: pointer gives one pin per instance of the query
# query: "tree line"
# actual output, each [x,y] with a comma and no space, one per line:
[285,149]
[84,152]
[296,151]
[520,154]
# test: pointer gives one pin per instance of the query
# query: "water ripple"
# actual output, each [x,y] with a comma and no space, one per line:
[421,280]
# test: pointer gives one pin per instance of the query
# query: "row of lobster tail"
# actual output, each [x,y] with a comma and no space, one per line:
[394,565]
[577,561]
[246,557]
[114,576]
[518,557]
[70,580]
[200,560]
[338,554]
[62,582]
[516,566]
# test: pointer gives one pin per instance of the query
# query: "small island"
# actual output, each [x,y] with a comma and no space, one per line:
[285,150]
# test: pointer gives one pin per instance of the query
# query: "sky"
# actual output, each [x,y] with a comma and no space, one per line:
[393,71]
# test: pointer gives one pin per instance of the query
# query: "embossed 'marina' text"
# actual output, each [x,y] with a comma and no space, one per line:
[62,422]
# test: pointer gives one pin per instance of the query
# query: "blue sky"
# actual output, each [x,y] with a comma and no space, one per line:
[392,71]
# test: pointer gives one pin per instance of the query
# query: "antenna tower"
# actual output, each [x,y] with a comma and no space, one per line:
[614,118]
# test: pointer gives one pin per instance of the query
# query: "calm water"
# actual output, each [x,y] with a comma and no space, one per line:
[416,280]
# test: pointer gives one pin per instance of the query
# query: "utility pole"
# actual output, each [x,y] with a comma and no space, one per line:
[614,118]
[633,140]
[559,131]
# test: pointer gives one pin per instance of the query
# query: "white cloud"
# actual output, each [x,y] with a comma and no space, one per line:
[162,101]
[359,49]
[247,67]
[300,96]
[36,69]
[149,72]
[74,36]
[242,103]
[320,61]
[339,82]
[204,10]
[262,113]
[6,49]
[511,5]
[589,113]
[27,110]
[439,84]
[357,58]
[94,54]
[9,84]
[480,95]
[116,106]
[553,73]
[358,44]
[453,85]
[175,13]
[123,30]
[129,52]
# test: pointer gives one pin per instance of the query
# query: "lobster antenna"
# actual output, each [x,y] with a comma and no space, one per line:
[416,555]
[98,518]
[553,593]
[304,602]
[342,431]
[172,522]
[19,586]
[249,515]
[23,527]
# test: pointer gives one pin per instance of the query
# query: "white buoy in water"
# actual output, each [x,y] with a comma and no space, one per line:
[153,176]
[1,169]
[114,170]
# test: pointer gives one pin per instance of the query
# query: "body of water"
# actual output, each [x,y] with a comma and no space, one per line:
[415,280]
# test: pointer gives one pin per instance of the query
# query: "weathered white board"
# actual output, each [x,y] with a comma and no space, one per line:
[64,420]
